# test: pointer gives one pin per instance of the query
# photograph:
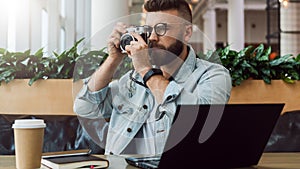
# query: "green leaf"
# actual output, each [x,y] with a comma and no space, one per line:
[245,65]
[280,60]
[56,54]
[266,72]
[6,74]
[259,50]
[244,51]
[297,59]
[254,71]
[2,51]
[236,61]
[59,68]
[266,79]
[225,51]
[273,72]
[286,66]
[39,53]
[27,52]
[8,79]
[288,80]
[35,78]
[262,55]
[268,51]
[25,62]
[295,75]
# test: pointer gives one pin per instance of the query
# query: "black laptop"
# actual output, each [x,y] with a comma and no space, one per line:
[215,136]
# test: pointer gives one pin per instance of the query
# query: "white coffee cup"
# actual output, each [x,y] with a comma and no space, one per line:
[29,137]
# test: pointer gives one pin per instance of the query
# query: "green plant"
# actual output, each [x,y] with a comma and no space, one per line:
[69,64]
[21,65]
[254,63]
[248,63]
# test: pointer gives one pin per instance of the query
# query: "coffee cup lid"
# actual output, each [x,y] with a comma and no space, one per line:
[29,123]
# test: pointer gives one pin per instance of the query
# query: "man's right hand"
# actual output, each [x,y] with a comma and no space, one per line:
[113,44]
[103,76]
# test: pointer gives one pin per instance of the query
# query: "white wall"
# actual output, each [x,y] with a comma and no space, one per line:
[255,26]
[222,26]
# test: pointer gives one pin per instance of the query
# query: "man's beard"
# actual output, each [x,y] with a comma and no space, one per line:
[164,55]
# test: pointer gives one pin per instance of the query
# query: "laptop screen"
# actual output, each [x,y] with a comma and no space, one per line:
[219,136]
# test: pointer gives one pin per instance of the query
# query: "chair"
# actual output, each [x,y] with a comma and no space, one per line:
[286,134]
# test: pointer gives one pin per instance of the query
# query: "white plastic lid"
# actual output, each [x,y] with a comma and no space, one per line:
[29,123]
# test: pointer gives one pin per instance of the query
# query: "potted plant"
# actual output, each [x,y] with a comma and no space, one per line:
[72,65]
[23,93]
[259,77]
[255,63]
[24,65]
[39,84]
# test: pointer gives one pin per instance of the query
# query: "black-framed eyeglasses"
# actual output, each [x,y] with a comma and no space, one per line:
[160,29]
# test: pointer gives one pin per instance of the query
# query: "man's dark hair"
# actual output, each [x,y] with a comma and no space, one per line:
[161,5]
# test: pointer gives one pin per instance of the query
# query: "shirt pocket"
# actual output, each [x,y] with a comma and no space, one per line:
[129,110]
[122,105]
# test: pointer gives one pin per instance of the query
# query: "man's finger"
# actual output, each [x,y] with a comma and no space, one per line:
[138,37]
[120,28]
[128,49]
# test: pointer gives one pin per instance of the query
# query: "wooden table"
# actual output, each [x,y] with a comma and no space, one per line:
[267,161]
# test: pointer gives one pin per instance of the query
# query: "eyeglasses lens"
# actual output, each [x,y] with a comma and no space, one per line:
[160,29]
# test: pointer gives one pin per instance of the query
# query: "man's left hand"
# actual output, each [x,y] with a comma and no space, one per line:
[138,52]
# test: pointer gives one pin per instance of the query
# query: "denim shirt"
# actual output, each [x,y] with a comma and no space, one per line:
[137,123]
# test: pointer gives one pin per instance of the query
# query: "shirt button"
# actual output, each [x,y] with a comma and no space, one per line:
[129,130]
[120,107]
[111,153]
[145,107]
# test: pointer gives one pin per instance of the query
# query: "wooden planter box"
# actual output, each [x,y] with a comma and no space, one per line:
[257,91]
[55,96]
[47,97]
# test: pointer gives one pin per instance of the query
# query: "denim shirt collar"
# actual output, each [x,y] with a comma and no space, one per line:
[187,67]
[185,70]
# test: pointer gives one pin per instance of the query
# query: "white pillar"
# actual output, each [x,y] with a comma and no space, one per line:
[209,40]
[289,21]
[83,19]
[3,26]
[53,25]
[35,27]
[22,41]
[69,24]
[236,24]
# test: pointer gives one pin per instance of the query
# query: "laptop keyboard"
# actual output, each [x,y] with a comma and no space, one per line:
[144,162]
[154,162]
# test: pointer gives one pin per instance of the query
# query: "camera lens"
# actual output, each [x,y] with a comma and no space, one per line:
[125,40]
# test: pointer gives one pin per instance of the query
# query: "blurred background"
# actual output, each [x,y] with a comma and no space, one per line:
[56,24]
